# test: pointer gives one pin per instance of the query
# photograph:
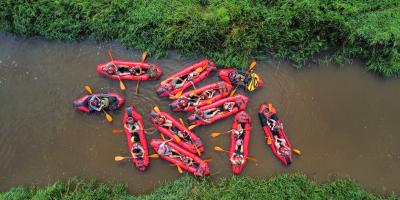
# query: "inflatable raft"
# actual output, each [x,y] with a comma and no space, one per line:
[127,70]
[175,130]
[218,110]
[276,139]
[185,78]
[241,78]
[205,95]
[113,101]
[180,157]
[238,154]
[136,137]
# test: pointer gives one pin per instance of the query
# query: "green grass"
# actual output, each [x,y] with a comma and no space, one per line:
[293,186]
[228,31]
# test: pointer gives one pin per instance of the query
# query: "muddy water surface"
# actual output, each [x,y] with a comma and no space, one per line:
[345,120]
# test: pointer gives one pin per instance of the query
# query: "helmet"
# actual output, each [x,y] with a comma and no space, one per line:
[130,120]
[109,69]
[182,102]
[160,119]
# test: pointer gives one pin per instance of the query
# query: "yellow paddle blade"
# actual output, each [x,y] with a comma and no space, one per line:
[162,136]
[269,107]
[215,134]
[156,109]
[108,116]
[144,56]
[119,158]
[179,169]
[88,89]
[122,85]
[177,139]
[117,131]
[252,65]
[154,156]
[181,121]
[192,126]
[269,140]
[208,160]
[297,151]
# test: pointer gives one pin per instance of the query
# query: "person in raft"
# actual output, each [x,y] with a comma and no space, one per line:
[163,121]
[165,150]
[185,102]
[187,160]
[178,82]
[136,71]
[238,132]
[137,151]
[184,136]
[280,144]
[208,94]
[95,103]
[131,125]
[228,106]
[207,114]
[199,169]
[240,78]
[237,159]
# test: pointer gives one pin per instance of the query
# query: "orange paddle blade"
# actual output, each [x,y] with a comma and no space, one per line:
[154,156]
[217,148]
[117,131]
[108,116]
[110,54]
[177,139]
[179,169]
[208,160]
[177,95]
[269,140]
[122,85]
[162,136]
[252,158]
[88,89]
[198,151]
[215,134]
[156,109]
[252,65]
[181,121]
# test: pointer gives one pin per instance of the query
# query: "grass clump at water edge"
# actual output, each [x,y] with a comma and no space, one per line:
[288,186]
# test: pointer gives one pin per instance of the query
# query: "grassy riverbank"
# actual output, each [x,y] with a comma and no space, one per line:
[228,31]
[282,187]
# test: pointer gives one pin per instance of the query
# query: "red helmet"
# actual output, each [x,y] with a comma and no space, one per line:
[160,120]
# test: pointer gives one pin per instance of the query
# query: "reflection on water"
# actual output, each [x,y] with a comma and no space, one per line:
[344,120]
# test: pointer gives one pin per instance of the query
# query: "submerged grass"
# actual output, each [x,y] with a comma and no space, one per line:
[229,31]
[293,186]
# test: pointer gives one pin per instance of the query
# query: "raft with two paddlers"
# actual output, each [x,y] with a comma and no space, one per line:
[110,101]
[202,96]
[128,70]
[275,134]
[185,78]
[136,137]
[183,159]
[240,137]
[218,110]
[241,78]
[170,127]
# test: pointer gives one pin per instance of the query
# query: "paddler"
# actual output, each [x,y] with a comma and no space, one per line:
[163,121]
[137,150]
[136,71]
[95,103]
[237,159]
[131,125]
[207,114]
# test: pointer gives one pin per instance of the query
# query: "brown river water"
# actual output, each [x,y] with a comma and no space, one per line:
[344,120]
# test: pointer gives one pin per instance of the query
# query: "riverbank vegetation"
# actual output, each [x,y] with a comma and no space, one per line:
[228,31]
[294,186]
